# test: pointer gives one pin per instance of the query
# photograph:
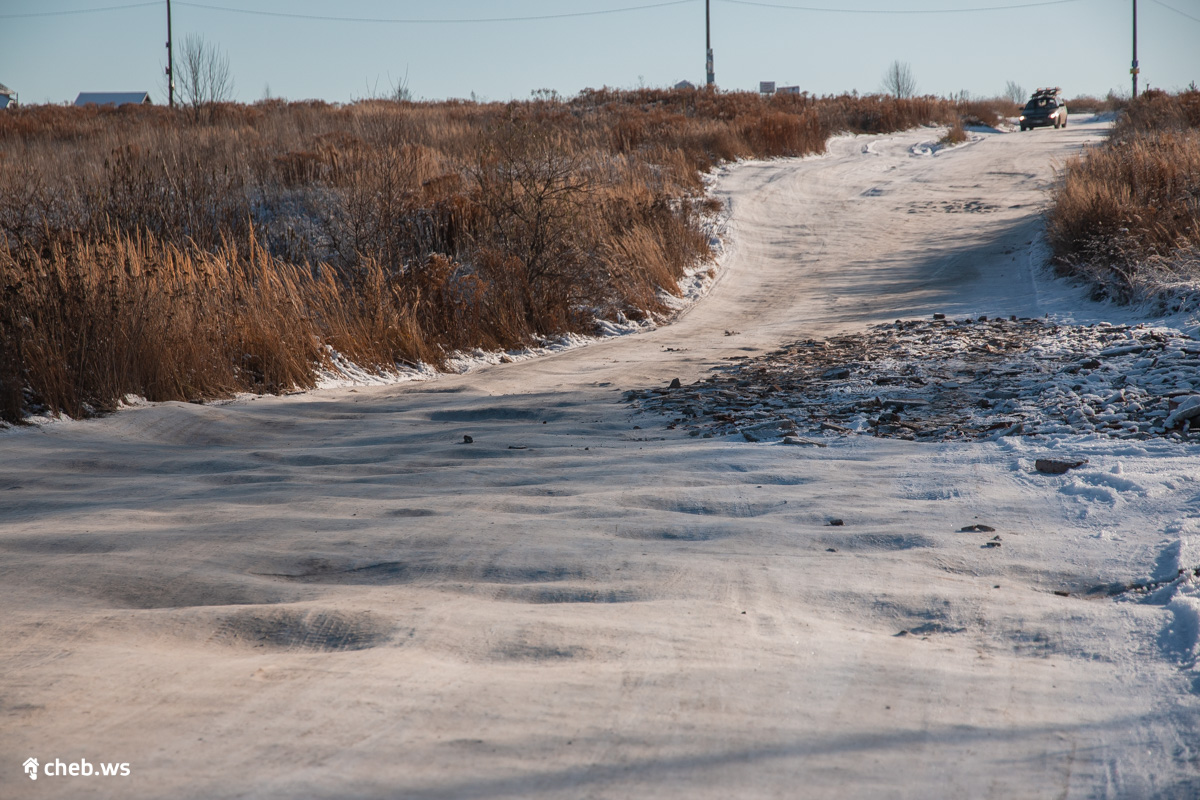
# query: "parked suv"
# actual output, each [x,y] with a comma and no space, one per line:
[1045,107]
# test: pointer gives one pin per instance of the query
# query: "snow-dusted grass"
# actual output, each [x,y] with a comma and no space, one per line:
[1124,216]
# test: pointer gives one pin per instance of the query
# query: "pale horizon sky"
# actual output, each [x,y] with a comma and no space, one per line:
[50,50]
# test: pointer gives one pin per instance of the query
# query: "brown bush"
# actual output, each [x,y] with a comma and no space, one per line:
[956,134]
[1155,110]
[1096,105]
[1133,200]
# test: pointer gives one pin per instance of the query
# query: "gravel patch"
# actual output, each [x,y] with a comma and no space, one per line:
[942,379]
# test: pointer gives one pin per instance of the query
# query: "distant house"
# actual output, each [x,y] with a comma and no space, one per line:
[685,85]
[113,98]
[7,96]
[769,87]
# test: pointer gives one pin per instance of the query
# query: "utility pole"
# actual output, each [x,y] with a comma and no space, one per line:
[1133,70]
[708,62]
[170,61]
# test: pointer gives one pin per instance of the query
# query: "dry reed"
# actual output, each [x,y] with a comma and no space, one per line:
[1124,210]
[179,257]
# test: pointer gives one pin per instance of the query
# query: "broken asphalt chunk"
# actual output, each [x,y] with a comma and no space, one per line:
[796,440]
[1057,466]
[972,379]
[1186,409]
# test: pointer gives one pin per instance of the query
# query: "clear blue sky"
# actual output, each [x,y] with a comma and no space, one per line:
[1083,45]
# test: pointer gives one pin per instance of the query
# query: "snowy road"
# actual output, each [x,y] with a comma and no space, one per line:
[331,595]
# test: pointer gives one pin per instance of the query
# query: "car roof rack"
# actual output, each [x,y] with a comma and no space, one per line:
[1048,90]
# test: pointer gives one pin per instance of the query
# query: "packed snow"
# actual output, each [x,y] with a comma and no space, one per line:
[511,582]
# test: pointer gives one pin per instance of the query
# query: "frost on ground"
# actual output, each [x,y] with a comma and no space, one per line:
[947,379]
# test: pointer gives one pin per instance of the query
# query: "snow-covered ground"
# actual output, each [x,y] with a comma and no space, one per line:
[336,595]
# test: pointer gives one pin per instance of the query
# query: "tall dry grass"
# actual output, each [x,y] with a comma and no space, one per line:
[1128,211]
[1110,103]
[178,256]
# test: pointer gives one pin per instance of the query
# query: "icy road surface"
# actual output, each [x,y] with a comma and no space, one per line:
[333,596]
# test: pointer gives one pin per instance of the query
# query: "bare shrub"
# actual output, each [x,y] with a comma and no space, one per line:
[534,194]
[898,80]
[1096,105]
[986,113]
[956,134]
[204,75]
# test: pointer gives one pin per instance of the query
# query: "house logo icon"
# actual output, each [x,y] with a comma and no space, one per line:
[31,766]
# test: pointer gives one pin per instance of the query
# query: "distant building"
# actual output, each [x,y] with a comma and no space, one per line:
[769,87]
[7,96]
[685,85]
[113,98]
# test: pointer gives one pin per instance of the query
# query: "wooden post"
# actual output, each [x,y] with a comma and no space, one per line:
[170,61]
[1133,70]
[708,59]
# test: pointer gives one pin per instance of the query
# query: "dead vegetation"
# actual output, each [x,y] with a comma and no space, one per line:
[1110,103]
[1126,216]
[955,134]
[180,257]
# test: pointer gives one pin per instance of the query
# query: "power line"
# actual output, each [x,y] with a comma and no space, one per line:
[78,11]
[566,15]
[444,21]
[323,18]
[1177,11]
[900,11]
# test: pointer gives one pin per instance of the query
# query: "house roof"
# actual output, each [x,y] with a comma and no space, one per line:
[112,98]
[5,90]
